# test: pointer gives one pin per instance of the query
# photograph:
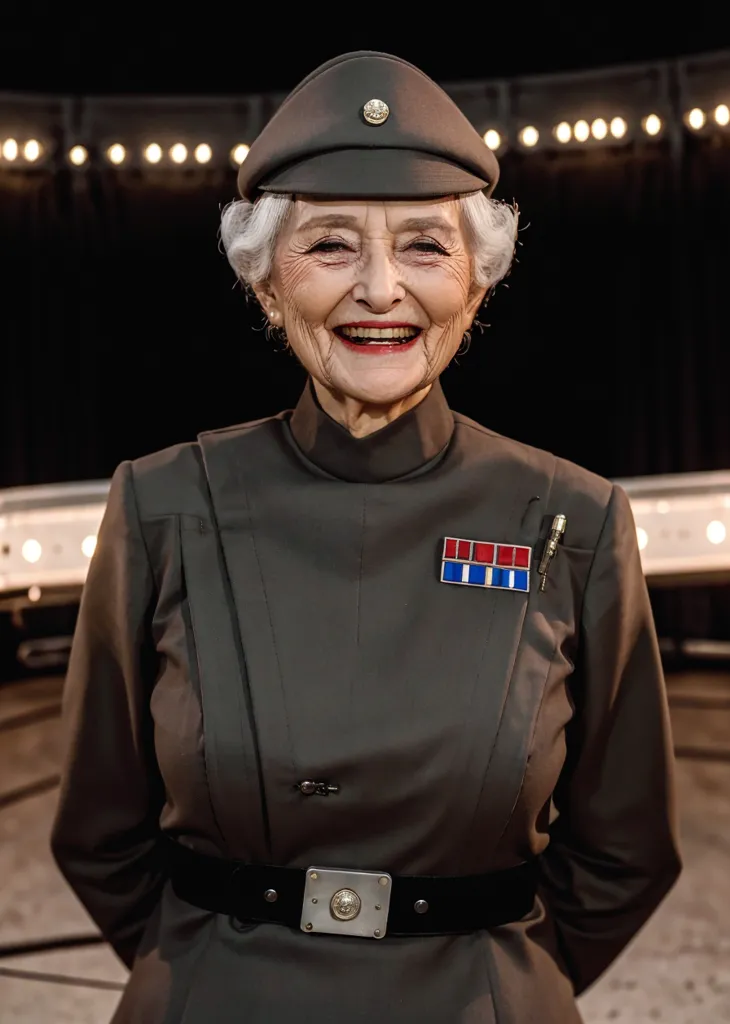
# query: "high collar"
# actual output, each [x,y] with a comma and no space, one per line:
[409,443]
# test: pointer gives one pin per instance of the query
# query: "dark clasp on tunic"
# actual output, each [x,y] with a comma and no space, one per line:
[309,786]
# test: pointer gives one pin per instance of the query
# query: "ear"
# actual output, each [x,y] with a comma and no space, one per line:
[268,299]
[476,298]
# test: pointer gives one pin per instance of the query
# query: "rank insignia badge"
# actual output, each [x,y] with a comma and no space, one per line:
[478,563]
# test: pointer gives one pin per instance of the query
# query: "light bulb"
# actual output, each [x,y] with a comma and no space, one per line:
[32,150]
[116,153]
[492,139]
[563,132]
[153,153]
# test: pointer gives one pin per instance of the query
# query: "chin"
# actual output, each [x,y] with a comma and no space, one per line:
[382,385]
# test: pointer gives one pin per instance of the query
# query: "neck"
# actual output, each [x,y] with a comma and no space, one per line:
[363,418]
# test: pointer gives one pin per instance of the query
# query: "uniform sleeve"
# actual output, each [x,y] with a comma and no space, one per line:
[613,853]
[105,834]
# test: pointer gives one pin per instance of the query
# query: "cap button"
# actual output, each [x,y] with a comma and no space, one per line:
[375,111]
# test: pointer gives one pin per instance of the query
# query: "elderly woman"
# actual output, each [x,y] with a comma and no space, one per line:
[366,713]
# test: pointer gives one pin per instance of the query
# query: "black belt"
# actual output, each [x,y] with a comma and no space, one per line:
[352,902]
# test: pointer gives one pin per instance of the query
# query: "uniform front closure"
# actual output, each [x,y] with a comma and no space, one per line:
[410,443]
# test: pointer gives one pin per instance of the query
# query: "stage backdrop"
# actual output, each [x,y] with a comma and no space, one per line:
[123,330]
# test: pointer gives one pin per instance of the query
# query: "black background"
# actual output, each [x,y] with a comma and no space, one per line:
[123,330]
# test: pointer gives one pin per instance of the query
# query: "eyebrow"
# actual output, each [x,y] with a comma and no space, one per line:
[330,220]
[426,224]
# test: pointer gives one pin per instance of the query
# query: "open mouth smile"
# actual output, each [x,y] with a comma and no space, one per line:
[378,336]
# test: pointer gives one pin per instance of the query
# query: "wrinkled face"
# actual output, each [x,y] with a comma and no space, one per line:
[374,296]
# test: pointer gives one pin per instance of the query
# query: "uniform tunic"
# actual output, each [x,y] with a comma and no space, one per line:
[264,606]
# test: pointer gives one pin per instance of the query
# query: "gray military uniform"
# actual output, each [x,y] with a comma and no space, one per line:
[265,607]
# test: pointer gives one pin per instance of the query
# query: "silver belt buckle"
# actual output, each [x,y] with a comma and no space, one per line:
[342,902]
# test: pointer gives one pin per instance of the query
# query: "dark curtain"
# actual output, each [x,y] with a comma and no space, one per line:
[123,330]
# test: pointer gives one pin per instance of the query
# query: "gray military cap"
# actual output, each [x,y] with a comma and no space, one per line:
[368,125]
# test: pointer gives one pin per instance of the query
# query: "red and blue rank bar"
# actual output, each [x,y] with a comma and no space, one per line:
[478,563]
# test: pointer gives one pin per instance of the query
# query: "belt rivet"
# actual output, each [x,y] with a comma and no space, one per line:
[378,907]
[271,895]
[420,906]
[376,933]
[383,881]
[314,900]
[314,876]
[308,927]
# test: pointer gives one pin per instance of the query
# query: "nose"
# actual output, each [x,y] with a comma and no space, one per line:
[379,287]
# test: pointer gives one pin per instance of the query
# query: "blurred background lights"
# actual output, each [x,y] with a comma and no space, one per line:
[32,150]
[599,129]
[696,118]
[652,124]
[239,153]
[529,136]
[662,507]
[716,532]
[581,131]
[10,149]
[563,132]
[203,153]
[88,545]
[78,155]
[153,153]
[642,537]
[722,114]
[492,139]
[31,550]
[179,153]
[116,153]
[34,593]
[618,127]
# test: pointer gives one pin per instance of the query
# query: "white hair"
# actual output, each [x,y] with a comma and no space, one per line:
[249,232]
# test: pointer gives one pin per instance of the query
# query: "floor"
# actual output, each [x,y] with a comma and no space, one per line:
[677,971]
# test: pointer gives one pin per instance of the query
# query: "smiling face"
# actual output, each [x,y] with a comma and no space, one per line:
[374,297]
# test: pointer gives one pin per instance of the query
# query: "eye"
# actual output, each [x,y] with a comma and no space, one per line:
[428,245]
[329,245]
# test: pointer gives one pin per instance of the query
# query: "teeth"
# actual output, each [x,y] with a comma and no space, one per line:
[379,333]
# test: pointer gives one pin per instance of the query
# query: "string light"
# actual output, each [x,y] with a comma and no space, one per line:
[529,136]
[722,114]
[652,124]
[78,155]
[32,150]
[153,153]
[581,131]
[239,153]
[599,129]
[696,118]
[179,153]
[116,153]
[492,139]
[203,153]
[618,127]
[563,132]
[10,149]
